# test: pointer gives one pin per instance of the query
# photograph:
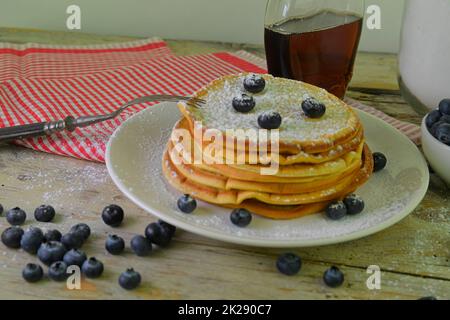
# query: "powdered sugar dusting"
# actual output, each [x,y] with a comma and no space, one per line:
[283,96]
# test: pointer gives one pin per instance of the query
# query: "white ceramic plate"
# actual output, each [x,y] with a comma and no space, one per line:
[133,158]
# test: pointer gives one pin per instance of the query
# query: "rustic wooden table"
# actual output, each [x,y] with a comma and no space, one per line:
[413,255]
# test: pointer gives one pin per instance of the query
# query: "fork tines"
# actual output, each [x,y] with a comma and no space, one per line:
[195,102]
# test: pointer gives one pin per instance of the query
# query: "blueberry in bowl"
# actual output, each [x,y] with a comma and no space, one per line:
[436,139]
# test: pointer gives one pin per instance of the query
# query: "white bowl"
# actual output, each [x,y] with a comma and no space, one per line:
[437,153]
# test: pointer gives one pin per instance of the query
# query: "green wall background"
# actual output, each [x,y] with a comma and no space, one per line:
[218,20]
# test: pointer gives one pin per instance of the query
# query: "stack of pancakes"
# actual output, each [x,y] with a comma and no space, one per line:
[319,160]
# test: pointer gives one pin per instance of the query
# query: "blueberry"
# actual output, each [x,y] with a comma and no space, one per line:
[445,118]
[50,252]
[244,103]
[113,215]
[32,240]
[32,272]
[379,161]
[172,229]
[1,209]
[289,264]
[141,245]
[313,108]
[58,271]
[11,237]
[72,240]
[269,120]
[82,229]
[92,268]
[434,128]
[443,133]
[428,298]
[114,244]
[241,217]
[130,279]
[254,83]
[44,213]
[159,233]
[432,118]
[354,204]
[186,204]
[16,216]
[75,257]
[333,277]
[336,211]
[52,235]
[444,106]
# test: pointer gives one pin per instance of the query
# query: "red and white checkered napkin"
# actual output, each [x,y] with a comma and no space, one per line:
[44,61]
[33,98]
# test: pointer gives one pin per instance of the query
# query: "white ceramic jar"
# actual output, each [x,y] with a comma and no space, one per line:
[424,58]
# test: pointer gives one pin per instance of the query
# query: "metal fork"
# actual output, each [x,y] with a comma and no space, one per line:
[70,123]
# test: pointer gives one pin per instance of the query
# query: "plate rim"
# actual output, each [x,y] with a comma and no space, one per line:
[262,242]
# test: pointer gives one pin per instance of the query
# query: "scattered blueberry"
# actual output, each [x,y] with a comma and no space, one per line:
[289,264]
[433,117]
[354,204]
[74,257]
[52,235]
[444,106]
[241,217]
[254,83]
[32,272]
[336,211]
[72,240]
[113,215]
[44,213]
[141,245]
[82,229]
[130,279]
[92,268]
[11,237]
[32,240]
[50,252]
[16,216]
[159,233]
[244,103]
[428,298]
[333,277]
[172,229]
[443,133]
[114,244]
[58,271]
[313,108]
[379,161]
[269,120]
[186,204]
[1,209]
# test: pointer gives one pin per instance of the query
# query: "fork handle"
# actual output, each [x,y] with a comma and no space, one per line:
[30,130]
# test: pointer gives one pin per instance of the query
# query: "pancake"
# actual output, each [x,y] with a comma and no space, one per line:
[276,206]
[297,133]
[316,161]
[283,159]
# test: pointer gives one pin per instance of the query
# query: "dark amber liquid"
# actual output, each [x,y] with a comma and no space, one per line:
[319,49]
